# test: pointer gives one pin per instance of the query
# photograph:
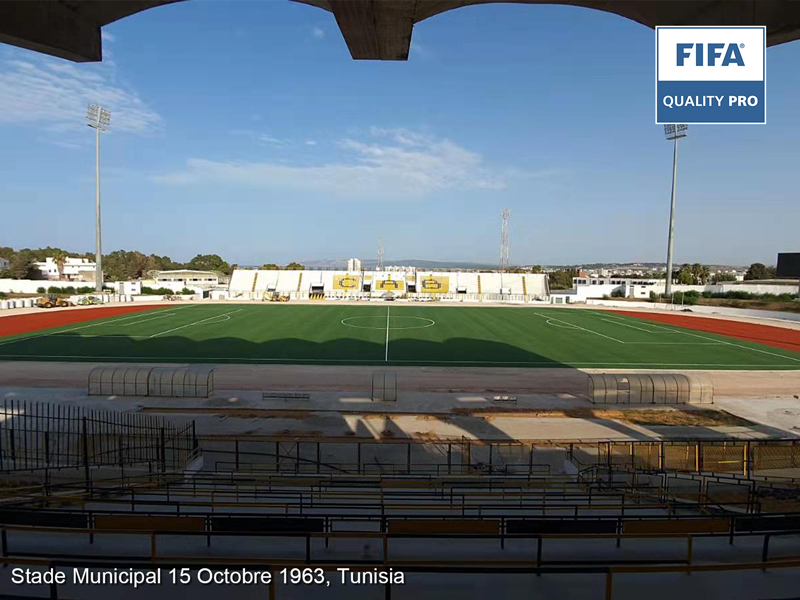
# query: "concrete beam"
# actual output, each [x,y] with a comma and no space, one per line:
[53,28]
[67,29]
[381,29]
[375,29]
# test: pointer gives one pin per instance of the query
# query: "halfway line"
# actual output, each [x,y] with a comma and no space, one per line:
[386,357]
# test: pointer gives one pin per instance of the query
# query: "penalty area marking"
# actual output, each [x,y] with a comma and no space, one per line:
[227,315]
[54,333]
[548,319]
[550,322]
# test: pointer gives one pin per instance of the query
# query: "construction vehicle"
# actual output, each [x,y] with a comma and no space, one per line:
[51,301]
[278,298]
[89,301]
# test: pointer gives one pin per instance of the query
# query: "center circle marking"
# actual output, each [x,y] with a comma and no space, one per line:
[353,322]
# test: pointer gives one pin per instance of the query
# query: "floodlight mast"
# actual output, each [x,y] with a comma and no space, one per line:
[673,133]
[99,119]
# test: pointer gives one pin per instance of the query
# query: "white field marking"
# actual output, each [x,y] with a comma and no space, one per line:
[197,323]
[646,324]
[100,335]
[550,322]
[246,360]
[430,323]
[650,331]
[725,343]
[54,333]
[150,319]
[679,343]
[386,357]
[581,328]
[716,343]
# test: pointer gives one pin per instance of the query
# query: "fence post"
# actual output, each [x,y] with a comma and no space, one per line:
[163,452]
[747,459]
[86,455]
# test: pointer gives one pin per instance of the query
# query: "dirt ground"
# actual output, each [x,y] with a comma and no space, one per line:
[573,382]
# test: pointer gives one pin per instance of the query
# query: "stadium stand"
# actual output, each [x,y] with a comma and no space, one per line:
[430,285]
[606,510]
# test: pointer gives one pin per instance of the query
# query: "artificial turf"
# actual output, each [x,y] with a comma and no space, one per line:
[394,334]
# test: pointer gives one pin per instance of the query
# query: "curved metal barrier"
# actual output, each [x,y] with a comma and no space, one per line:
[196,381]
[650,388]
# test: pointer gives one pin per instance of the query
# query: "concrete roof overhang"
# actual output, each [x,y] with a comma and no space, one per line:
[372,29]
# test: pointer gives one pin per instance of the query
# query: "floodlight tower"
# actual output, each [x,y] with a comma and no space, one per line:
[380,254]
[98,118]
[673,133]
[504,249]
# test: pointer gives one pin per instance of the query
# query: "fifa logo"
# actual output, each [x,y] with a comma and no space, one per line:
[732,54]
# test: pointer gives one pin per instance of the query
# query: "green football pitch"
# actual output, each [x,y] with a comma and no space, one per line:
[396,335]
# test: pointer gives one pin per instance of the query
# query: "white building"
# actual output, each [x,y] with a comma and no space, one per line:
[73,269]
[188,278]
[354,265]
[128,288]
[4,264]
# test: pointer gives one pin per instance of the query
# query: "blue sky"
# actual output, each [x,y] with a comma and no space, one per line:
[245,129]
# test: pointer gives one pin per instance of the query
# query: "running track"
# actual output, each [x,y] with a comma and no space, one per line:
[48,318]
[777,337]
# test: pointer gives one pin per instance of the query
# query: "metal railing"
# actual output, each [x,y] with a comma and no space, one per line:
[41,436]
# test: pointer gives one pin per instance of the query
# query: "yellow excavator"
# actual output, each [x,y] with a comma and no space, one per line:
[52,301]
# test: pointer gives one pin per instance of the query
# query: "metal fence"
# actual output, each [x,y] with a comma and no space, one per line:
[748,458]
[42,436]
[773,459]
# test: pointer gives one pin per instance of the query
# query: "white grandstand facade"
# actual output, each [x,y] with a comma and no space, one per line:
[413,285]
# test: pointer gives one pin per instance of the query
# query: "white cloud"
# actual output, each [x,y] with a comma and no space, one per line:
[389,163]
[319,33]
[106,36]
[311,142]
[53,94]
[419,49]
[266,138]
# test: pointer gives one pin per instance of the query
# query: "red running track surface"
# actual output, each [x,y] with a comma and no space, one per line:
[16,324]
[777,337]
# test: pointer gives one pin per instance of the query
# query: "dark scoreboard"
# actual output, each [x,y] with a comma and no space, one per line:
[789,265]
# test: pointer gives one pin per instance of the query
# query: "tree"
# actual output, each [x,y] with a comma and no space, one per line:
[720,277]
[536,269]
[756,271]
[294,266]
[22,265]
[562,279]
[700,274]
[209,262]
[59,257]
[270,267]
[122,265]
[685,275]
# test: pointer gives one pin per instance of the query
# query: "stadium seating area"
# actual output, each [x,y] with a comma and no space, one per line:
[546,514]
[443,285]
